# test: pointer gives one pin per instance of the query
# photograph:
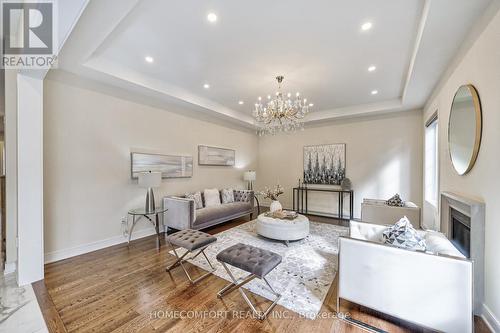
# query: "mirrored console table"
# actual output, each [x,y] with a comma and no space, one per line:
[301,197]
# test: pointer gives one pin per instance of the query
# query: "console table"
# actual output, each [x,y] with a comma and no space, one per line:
[300,201]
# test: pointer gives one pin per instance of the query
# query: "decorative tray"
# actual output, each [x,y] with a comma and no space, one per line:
[283,215]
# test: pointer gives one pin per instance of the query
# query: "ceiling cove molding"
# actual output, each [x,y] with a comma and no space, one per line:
[91,61]
[479,27]
[416,47]
[356,110]
[103,19]
[158,86]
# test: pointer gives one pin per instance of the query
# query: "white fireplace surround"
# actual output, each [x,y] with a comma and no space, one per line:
[475,210]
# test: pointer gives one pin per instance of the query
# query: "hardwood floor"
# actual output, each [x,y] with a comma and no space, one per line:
[126,289]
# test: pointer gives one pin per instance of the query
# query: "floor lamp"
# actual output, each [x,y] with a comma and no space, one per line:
[150,180]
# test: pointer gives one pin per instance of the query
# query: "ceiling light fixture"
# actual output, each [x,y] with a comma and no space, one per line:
[280,113]
[241,102]
[374,92]
[366,26]
[212,18]
[372,68]
[149,59]
[206,86]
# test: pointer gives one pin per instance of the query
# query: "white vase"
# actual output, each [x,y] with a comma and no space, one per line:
[275,206]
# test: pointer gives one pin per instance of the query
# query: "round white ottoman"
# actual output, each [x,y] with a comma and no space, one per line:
[284,230]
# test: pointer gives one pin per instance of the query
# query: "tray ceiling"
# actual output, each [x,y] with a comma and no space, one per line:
[319,46]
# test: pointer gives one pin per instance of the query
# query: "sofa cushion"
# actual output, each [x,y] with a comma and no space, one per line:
[222,211]
[402,234]
[191,239]
[227,195]
[438,243]
[212,197]
[249,258]
[198,202]
[367,231]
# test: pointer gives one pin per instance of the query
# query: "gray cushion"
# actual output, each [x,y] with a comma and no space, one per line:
[243,195]
[250,259]
[218,212]
[190,239]
[198,201]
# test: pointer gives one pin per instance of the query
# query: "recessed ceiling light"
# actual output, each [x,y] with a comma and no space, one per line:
[241,102]
[374,92]
[372,68]
[206,86]
[211,17]
[366,26]
[149,59]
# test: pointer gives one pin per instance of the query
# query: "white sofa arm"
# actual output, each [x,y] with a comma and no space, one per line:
[433,291]
[181,212]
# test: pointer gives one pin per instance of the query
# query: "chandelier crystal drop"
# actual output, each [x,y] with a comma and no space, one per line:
[280,113]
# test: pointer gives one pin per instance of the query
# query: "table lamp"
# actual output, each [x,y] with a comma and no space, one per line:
[250,177]
[150,180]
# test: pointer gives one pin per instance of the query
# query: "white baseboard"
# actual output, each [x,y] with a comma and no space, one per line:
[94,246]
[489,318]
[10,267]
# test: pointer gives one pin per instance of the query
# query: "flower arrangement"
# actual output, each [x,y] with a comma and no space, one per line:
[272,194]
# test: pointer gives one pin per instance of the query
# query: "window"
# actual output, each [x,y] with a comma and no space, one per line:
[431,161]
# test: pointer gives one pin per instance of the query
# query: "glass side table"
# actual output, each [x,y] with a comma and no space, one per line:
[138,213]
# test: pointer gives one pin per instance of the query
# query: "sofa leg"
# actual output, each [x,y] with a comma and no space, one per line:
[251,216]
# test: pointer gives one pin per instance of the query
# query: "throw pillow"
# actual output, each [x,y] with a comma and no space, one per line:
[212,197]
[395,201]
[402,234]
[198,202]
[227,195]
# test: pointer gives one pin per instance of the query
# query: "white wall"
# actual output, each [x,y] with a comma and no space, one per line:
[88,137]
[30,179]
[480,66]
[384,156]
[11,169]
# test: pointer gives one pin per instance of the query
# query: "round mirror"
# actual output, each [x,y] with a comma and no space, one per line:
[464,129]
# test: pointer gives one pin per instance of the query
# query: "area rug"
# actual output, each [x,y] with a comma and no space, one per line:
[305,274]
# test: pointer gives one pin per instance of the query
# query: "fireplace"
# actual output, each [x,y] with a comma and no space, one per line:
[462,221]
[460,231]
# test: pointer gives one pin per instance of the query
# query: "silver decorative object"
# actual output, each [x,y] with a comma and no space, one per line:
[345,184]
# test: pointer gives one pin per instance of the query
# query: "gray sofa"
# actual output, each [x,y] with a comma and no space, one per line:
[182,214]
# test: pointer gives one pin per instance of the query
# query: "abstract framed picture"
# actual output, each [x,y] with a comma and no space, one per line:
[170,166]
[325,164]
[216,156]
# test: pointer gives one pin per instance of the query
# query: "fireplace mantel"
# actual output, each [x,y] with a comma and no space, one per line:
[474,209]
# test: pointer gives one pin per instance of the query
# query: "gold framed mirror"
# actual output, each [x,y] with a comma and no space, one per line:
[465,128]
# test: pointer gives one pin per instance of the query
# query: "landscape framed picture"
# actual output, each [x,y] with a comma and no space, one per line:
[170,166]
[325,164]
[216,156]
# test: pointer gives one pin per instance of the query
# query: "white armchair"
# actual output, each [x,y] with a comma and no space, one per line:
[433,290]
[376,211]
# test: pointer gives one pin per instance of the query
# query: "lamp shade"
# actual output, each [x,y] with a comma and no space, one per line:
[249,176]
[149,179]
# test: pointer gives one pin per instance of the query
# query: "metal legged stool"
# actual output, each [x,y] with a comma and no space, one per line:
[257,262]
[191,241]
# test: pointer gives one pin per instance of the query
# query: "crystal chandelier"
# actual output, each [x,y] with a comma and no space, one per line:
[280,114]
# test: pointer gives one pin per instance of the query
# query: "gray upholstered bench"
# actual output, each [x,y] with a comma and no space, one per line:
[191,241]
[257,262]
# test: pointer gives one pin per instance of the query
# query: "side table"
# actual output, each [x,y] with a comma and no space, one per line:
[139,213]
